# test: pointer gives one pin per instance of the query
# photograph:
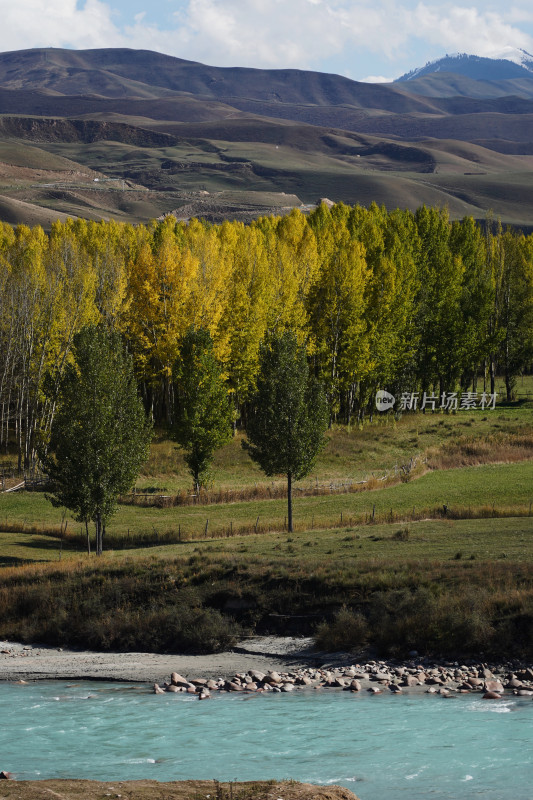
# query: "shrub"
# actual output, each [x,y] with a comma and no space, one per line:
[348,631]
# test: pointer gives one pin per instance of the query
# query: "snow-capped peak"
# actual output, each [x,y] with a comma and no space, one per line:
[515,54]
[519,61]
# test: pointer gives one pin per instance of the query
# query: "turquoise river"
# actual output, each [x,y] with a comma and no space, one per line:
[381,747]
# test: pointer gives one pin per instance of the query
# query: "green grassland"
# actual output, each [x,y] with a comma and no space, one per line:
[382,567]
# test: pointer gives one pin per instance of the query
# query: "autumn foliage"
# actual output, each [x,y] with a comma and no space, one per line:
[390,300]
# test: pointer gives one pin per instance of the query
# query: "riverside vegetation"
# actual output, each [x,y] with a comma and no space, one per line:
[390,548]
[454,581]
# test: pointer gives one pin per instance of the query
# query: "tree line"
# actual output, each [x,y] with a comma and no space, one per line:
[382,299]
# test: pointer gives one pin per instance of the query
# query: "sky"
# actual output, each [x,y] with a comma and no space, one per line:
[361,39]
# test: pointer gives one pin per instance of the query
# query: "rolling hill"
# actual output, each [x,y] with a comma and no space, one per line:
[136,134]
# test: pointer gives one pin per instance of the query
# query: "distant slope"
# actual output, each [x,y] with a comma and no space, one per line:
[17,211]
[449,84]
[165,134]
[477,67]
[99,73]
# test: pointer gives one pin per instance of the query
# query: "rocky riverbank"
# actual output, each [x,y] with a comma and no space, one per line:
[266,664]
[492,682]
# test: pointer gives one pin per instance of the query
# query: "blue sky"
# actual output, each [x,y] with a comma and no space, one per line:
[366,39]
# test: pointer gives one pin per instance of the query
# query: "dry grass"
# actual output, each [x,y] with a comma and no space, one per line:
[176,790]
[470,451]
[471,576]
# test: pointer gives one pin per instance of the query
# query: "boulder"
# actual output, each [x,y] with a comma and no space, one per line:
[272,677]
[303,680]
[6,776]
[381,677]
[232,686]
[492,696]
[158,689]
[349,673]
[494,686]
[178,680]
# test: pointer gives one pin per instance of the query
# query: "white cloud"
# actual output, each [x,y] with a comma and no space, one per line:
[466,30]
[303,33]
[355,36]
[57,23]
[375,79]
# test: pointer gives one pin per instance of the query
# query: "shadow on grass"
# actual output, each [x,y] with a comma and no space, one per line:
[15,561]
[44,544]
[48,544]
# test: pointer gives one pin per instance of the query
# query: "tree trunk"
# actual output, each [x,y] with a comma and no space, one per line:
[289,501]
[509,386]
[98,526]
[88,538]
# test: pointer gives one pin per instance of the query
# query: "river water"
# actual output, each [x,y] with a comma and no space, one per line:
[382,747]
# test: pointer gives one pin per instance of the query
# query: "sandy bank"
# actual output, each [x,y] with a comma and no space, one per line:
[34,662]
[178,790]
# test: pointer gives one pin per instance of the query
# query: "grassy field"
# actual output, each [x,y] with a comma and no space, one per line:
[500,489]
[388,470]
[424,540]
[379,564]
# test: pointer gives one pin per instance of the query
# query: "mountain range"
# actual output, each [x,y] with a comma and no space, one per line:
[134,134]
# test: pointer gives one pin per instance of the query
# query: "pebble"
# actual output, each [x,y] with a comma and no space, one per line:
[446,680]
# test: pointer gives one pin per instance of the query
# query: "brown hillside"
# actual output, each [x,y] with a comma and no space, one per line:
[158,130]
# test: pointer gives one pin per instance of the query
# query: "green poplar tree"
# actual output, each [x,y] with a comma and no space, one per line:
[288,415]
[100,434]
[203,414]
